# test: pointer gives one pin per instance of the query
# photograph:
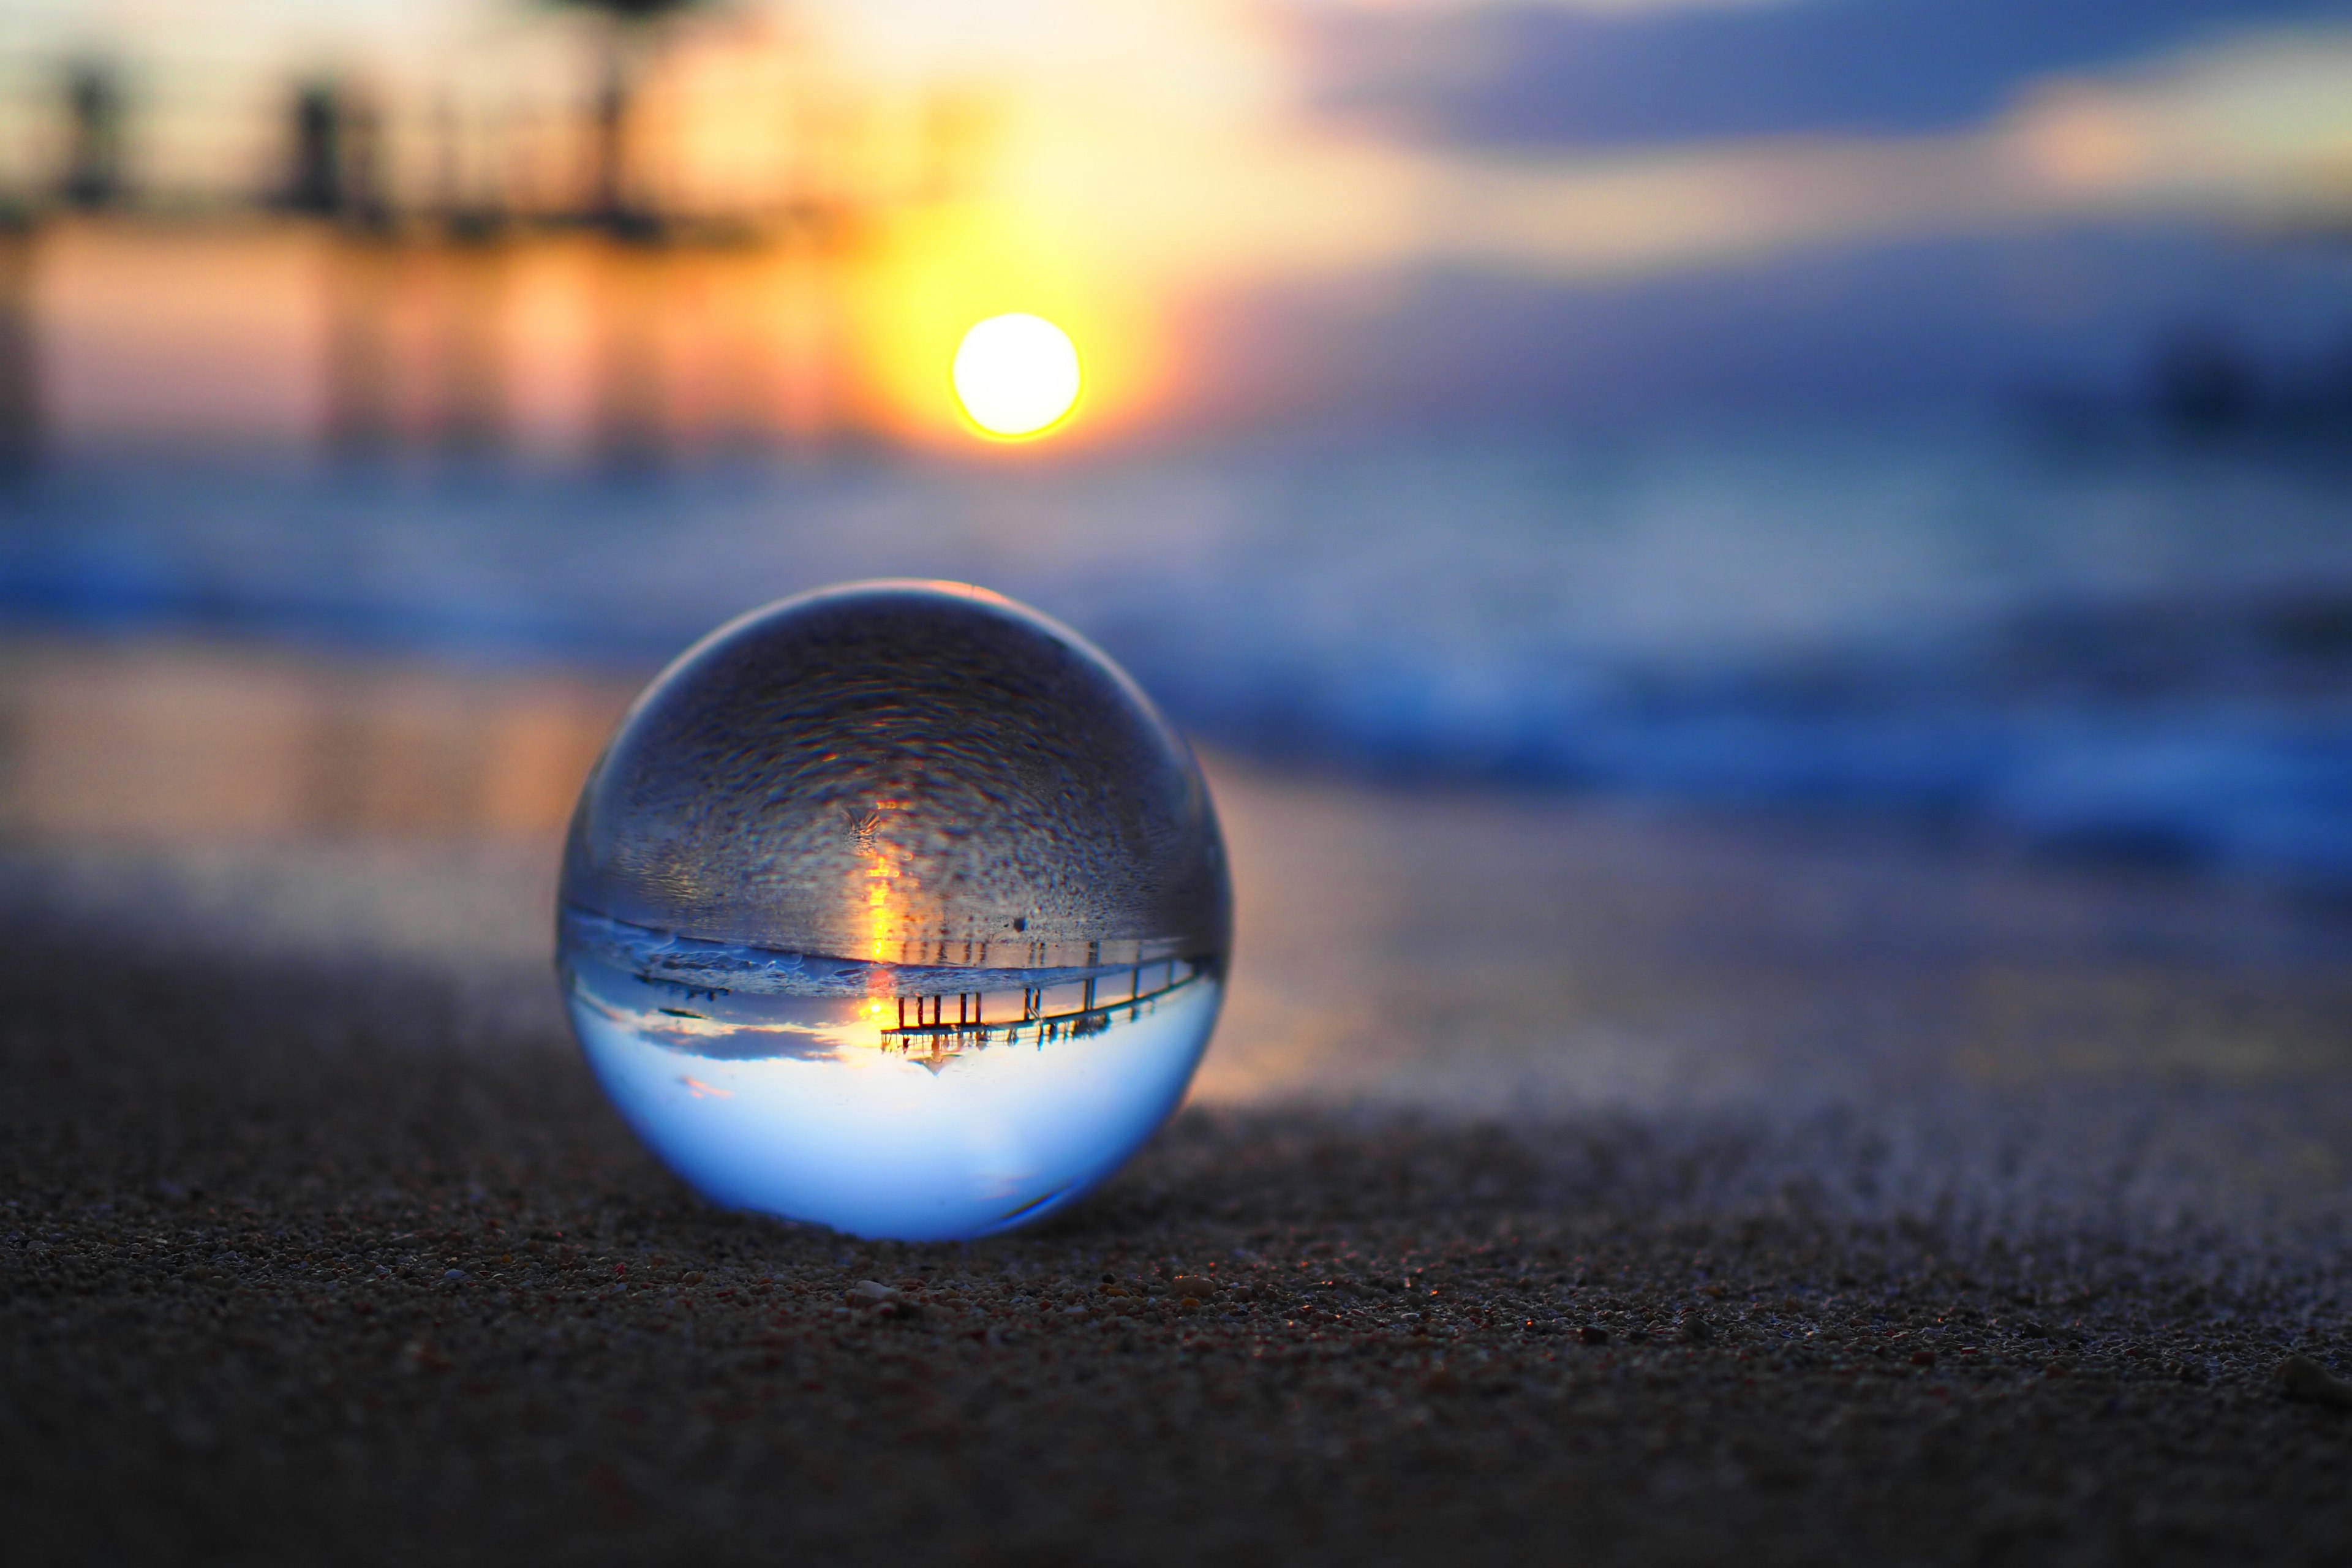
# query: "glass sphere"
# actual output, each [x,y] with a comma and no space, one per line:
[896,908]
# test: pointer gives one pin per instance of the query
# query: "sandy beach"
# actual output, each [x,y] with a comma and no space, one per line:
[1564,1180]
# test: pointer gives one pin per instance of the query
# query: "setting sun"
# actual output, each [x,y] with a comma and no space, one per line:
[1016,376]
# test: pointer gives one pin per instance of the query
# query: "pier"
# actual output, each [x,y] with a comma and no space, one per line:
[923,1023]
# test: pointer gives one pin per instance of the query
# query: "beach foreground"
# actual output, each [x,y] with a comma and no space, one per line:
[1561,1182]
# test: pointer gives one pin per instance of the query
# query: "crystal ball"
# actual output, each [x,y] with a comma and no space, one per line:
[896,908]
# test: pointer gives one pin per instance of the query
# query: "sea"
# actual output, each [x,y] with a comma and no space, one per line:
[2126,642]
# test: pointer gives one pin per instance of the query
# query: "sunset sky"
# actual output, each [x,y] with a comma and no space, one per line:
[1244,205]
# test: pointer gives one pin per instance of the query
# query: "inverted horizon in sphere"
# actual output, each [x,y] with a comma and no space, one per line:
[1016,376]
[922,1103]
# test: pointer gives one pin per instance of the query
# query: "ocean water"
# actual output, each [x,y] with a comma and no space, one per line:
[2121,645]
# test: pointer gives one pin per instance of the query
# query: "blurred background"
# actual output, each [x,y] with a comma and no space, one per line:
[1929,414]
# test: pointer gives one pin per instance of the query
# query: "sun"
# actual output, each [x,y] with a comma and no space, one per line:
[1016,376]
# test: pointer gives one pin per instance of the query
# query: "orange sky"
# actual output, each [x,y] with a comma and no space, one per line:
[1130,162]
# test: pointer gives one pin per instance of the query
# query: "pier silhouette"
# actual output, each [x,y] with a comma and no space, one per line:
[666,255]
[923,1024]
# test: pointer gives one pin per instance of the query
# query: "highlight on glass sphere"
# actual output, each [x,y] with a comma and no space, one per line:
[1016,376]
[896,908]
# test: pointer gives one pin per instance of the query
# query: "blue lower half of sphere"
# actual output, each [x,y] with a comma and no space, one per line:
[916,1103]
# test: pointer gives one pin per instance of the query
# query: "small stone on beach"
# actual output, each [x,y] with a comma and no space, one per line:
[2300,1377]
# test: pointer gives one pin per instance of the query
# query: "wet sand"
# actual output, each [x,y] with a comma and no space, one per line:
[1564,1182]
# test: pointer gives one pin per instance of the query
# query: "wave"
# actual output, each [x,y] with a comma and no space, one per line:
[2137,651]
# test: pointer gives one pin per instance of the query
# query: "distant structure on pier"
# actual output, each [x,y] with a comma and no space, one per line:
[92,176]
[335,163]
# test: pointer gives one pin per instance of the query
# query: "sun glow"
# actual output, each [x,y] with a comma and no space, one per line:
[1016,376]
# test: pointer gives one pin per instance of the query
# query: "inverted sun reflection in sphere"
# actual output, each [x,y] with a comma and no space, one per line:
[895,907]
[1015,375]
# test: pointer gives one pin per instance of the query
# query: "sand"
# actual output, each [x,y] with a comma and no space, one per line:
[1565,1184]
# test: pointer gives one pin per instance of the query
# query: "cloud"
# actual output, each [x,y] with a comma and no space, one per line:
[1604,76]
[2051,244]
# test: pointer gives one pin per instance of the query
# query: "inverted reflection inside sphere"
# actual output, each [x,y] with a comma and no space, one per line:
[895,907]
